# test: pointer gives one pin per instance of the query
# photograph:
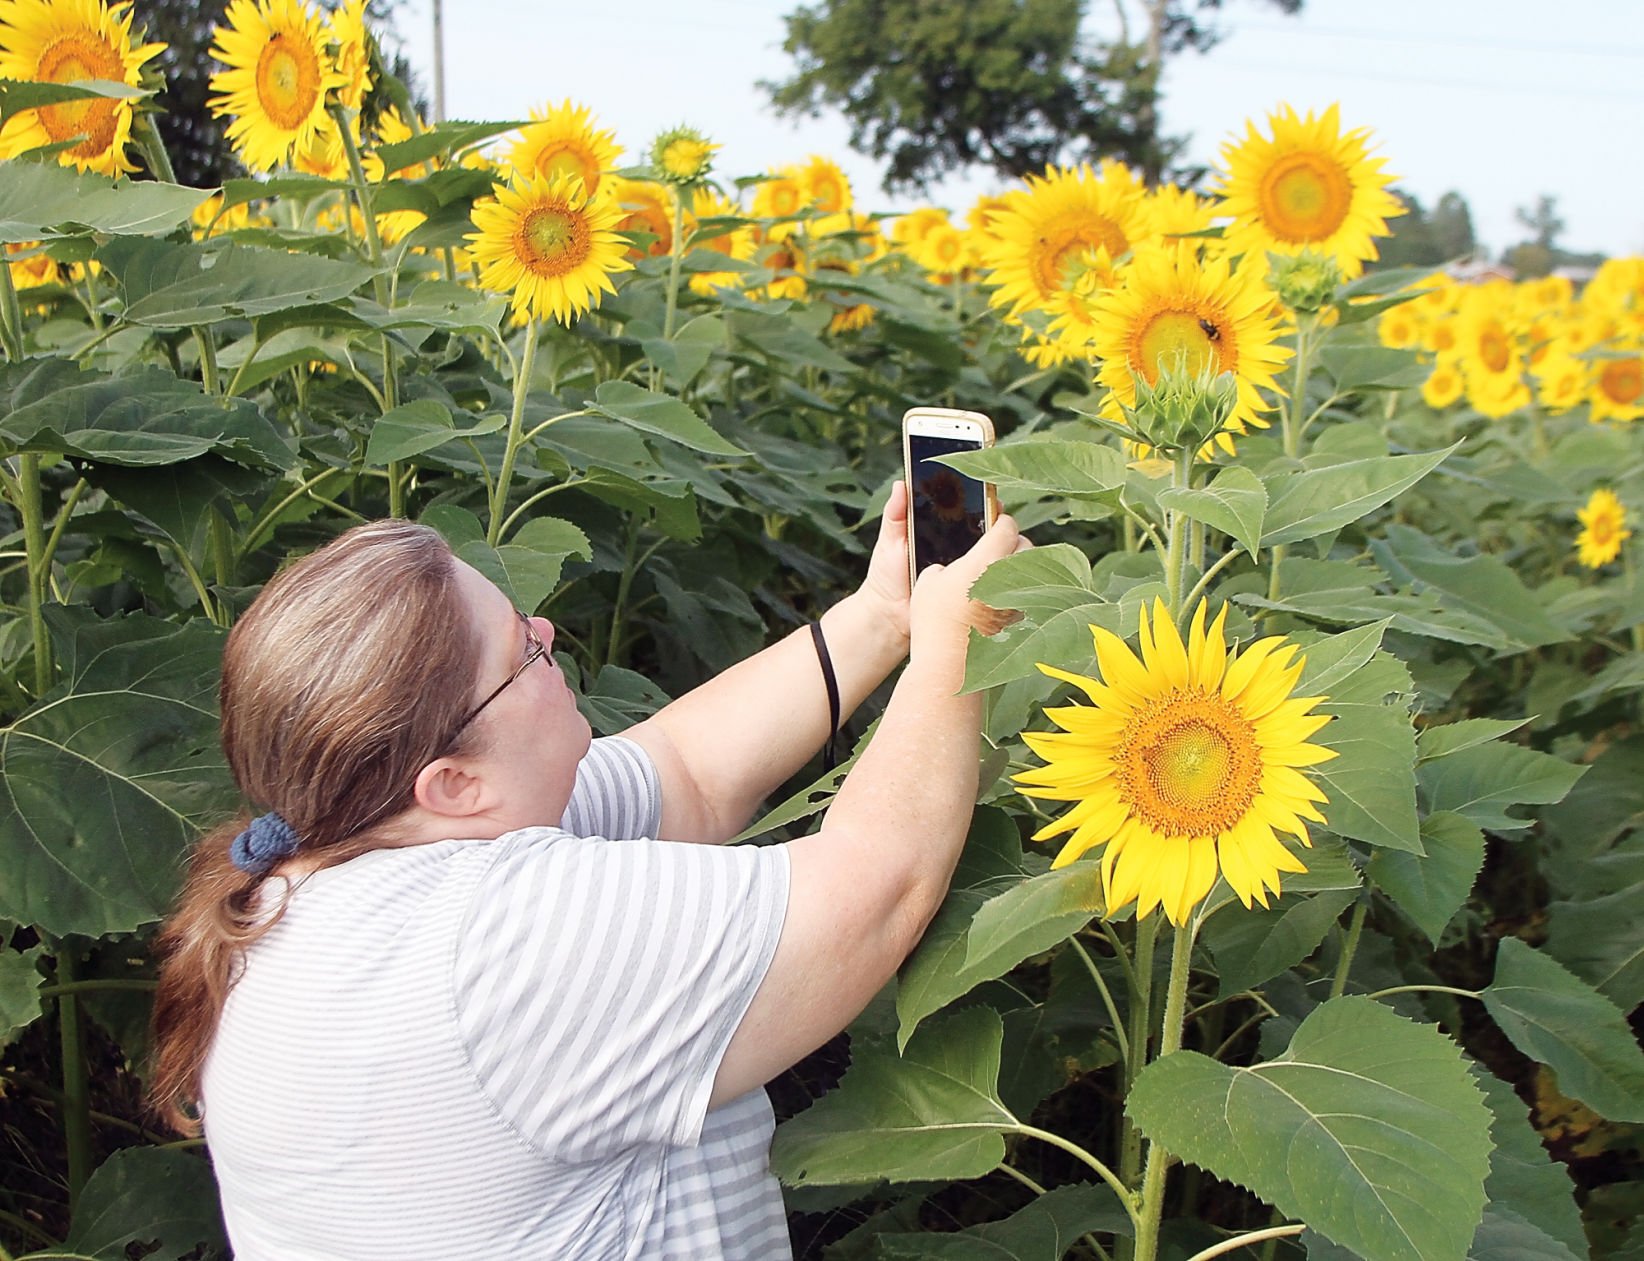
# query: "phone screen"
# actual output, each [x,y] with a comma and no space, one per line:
[949,509]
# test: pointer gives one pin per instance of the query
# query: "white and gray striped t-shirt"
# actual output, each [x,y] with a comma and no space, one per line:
[504,1049]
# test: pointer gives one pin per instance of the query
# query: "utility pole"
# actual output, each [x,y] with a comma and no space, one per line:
[439,62]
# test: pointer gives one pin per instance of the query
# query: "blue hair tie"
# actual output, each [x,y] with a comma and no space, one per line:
[268,839]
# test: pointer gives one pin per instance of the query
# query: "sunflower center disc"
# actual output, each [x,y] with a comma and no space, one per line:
[1170,334]
[288,81]
[1305,197]
[567,159]
[1622,380]
[1061,249]
[1494,349]
[69,60]
[1190,765]
[552,242]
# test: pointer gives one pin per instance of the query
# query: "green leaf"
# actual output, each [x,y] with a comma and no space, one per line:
[1481,782]
[439,141]
[1039,582]
[617,699]
[1448,738]
[1043,1231]
[527,566]
[109,778]
[178,499]
[983,932]
[167,285]
[1431,887]
[1307,504]
[33,94]
[1253,946]
[1234,503]
[38,200]
[659,414]
[1369,1129]
[158,1201]
[1564,1023]
[19,988]
[1330,660]
[688,351]
[1480,585]
[1074,470]
[933,1113]
[1014,653]
[146,416]
[780,339]
[1523,1175]
[412,428]
[1601,940]
[1371,785]
[1355,368]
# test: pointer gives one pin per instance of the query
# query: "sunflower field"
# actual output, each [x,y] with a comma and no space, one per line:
[1302,914]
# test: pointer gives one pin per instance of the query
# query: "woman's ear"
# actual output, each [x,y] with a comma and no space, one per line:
[450,787]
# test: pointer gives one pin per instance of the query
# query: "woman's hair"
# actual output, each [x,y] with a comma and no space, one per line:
[352,670]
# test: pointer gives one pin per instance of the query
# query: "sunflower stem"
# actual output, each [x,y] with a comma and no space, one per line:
[1107,997]
[516,421]
[1141,1026]
[208,358]
[153,148]
[1170,1041]
[32,511]
[11,316]
[1246,1239]
[1355,927]
[76,1083]
[1126,1199]
[676,253]
[1180,528]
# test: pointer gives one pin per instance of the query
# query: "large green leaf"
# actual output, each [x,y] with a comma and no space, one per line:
[1253,946]
[1043,1231]
[1523,1176]
[412,428]
[19,986]
[167,285]
[41,199]
[1369,1129]
[161,1202]
[1312,502]
[527,566]
[1482,782]
[108,779]
[1073,470]
[1431,887]
[1061,639]
[984,931]
[145,416]
[1040,582]
[24,94]
[933,1113]
[1234,503]
[1355,368]
[1601,940]
[1371,785]
[1331,660]
[1555,1017]
[659,414]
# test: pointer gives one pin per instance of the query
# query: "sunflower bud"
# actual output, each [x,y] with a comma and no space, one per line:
[1305,282]
[682,156]
[1181,408]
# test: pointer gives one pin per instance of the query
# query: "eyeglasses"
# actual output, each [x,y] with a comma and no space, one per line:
[535,650]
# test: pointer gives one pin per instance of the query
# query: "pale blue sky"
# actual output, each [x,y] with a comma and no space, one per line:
[1500,100]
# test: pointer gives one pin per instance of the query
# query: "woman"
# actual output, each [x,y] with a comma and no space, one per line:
[445,998]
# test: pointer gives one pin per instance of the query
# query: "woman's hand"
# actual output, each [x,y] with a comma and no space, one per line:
[885,589]
[942,612]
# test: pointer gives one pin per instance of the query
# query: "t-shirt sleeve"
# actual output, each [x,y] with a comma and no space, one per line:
[598,982]
[617,792]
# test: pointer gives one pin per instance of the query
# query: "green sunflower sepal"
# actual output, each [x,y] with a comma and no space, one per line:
[1182,409]
[1305,282]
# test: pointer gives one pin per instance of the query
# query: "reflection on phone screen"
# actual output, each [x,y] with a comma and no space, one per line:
[949,508]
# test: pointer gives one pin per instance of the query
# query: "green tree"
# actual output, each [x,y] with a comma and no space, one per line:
[1429,238]
[933,86]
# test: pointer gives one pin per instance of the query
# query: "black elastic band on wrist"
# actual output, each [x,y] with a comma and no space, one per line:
[830,757]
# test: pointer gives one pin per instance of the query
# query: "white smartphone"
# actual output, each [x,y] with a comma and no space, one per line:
[947,511]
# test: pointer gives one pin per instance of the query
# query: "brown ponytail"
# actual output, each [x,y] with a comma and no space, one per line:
[347,675]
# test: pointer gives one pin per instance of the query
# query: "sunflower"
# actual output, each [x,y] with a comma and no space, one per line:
[1309,187]
[826,187]
[1035,244]
[278,74]
[647,207]
[1491,353]
[739,242]
[1173,305]
[1444,385]
[1185,763]
[67,41]
[393,226]
[1176,211]
[352,40]
[564,141]
[943,252]
[30,265]
[1618,385]
[1604,522]
[682,155]
[322,154]
[781,195]
[550,244]
[912,228]
[1562,378]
